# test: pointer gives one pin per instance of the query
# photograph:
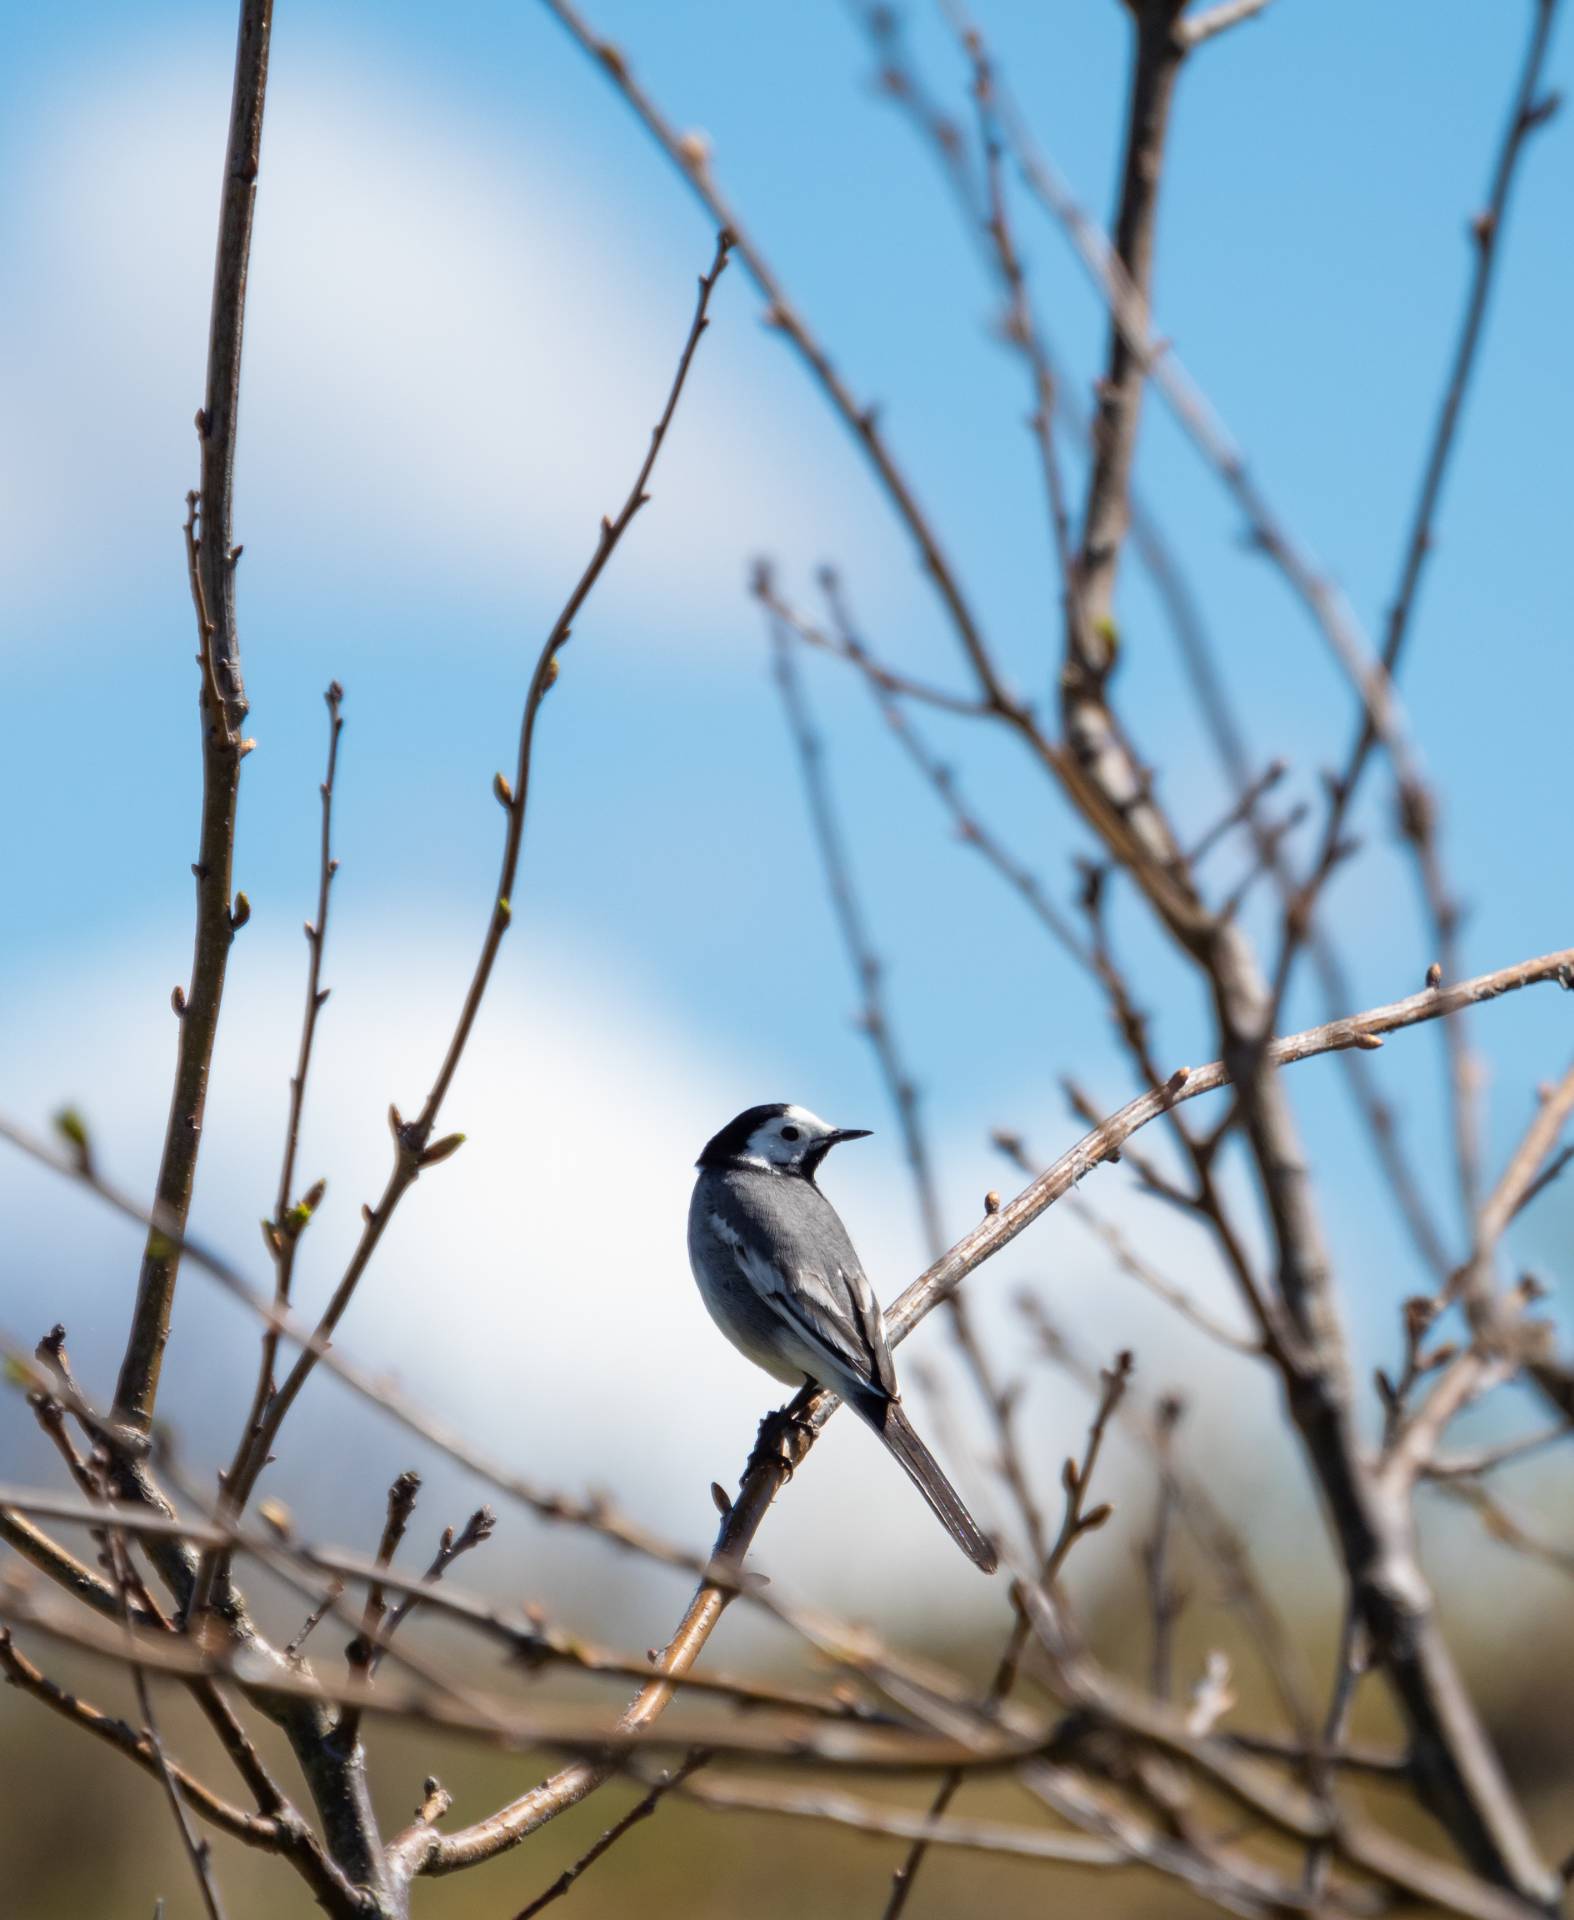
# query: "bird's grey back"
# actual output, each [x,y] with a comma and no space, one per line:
[792,1224]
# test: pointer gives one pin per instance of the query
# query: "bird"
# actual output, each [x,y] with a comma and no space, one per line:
[778,1272]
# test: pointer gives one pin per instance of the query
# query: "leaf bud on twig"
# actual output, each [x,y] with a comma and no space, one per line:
[442,1149]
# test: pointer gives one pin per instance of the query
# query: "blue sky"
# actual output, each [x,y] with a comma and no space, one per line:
[470,280]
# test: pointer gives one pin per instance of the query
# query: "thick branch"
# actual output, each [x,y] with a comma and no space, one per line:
[1159,51]
[223,710]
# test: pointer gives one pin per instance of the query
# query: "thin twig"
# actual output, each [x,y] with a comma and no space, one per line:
[641,1811]
[291,1218]
[237,1742]
[976,1741]
[1527,112]
[1417,808]
[1502,1526]
[1349,1665]
[875,1023]
[1165,1597]
[253,1828]
[196,1849]
[1128,1260]
[361,1651]
[862,421]
[1469,1466]
[970,829]
[925,1830]
[873,1019]
[474,1533]
[1076,1520]
[842,645]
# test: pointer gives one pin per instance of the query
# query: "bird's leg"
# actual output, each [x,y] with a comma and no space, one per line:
[773,1442]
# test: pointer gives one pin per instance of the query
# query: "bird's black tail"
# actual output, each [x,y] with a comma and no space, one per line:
[896,1430]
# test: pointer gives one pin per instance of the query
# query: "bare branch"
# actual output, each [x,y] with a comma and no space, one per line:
[1417,808]
[844,645]
[525,1635]
[1155,67]
[981,1742]
[986,216]
[53,1560]
[1241,1587]
[253,1828]
[1544,1179]
[1123,287]
[1519,1177]
[925,1830]
[1508,1531]
[766,1474]
[224,708]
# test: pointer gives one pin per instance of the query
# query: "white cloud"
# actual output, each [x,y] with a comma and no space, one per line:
[454,353]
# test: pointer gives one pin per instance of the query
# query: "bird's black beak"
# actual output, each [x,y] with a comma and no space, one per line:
[848,1133]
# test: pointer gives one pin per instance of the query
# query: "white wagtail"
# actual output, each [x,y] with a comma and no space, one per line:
[780,1277]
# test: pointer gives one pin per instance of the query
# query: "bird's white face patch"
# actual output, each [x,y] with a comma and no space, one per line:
[788,1139]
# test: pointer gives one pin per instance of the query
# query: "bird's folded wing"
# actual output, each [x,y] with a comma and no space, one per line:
[807,1304]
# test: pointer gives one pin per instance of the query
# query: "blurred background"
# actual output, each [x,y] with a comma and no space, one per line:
[470,278]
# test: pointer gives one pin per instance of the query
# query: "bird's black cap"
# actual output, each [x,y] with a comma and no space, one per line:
[727,1147]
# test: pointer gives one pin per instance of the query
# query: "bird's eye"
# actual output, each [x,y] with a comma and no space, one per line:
[789,1133]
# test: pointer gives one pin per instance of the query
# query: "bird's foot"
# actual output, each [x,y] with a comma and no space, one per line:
[783,1439]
